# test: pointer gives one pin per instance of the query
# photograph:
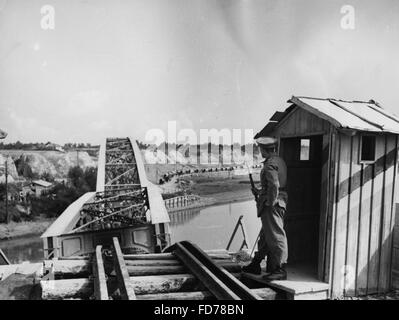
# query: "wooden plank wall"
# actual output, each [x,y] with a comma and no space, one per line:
[363,213]
[395,255]
[340,213]
[300,123]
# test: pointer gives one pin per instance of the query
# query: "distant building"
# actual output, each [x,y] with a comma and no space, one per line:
[35,188]
[53,146]
[26,190]
[40,186]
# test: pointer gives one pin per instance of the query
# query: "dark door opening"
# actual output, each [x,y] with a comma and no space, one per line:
[303,156]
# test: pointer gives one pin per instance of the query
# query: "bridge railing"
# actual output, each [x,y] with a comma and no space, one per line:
[181,201]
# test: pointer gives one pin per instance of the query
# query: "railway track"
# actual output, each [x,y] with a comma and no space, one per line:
[182,272]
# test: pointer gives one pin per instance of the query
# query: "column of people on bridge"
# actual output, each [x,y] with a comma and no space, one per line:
[169,175]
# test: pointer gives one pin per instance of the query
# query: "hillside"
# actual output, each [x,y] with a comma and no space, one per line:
[53,162]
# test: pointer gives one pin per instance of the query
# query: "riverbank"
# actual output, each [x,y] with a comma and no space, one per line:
[17,230]
[222,191]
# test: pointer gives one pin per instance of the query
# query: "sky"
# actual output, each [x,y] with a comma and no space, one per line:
[123,67]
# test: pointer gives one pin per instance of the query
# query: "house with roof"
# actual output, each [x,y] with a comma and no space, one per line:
[54,146]
[40,186]
[342,183]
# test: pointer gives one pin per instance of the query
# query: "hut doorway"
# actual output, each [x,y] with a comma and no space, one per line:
[303,156]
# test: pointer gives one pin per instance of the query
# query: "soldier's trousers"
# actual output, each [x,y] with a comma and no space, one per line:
[273,240]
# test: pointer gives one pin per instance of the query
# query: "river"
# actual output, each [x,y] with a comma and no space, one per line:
[23,249]
[209,227]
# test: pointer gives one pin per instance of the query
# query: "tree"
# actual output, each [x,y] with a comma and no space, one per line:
[83,181]
[14,214]
[54,202]
[76,178]
[90,176]
[2,191]
[47,176]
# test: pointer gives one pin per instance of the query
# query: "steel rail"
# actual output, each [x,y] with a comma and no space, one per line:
[216,279]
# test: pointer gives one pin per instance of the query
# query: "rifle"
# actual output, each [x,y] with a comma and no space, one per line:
[251,180]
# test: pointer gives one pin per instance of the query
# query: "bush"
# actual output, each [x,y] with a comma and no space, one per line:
[47,176]
[56,200]
[14,214]
[53,202]
[83,181]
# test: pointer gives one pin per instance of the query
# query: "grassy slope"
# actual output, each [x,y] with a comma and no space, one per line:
[223,190]
[15,230]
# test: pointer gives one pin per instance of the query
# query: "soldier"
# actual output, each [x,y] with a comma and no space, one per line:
[271,203]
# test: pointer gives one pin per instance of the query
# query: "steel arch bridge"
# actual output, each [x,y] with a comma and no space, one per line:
[125,205]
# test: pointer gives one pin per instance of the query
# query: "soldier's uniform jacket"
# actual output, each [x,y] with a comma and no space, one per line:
[273,179]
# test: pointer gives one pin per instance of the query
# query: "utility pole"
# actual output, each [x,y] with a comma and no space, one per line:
[6,171]
[3,135]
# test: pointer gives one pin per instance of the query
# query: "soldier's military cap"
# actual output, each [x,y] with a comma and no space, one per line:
[266,141]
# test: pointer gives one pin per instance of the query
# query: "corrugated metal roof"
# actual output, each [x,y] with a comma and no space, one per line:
[356,115]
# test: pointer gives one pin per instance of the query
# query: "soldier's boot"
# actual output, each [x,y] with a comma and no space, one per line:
[269,269]
[278,274]
[253,267]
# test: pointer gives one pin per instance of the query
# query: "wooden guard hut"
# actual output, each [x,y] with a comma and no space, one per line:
[342,184]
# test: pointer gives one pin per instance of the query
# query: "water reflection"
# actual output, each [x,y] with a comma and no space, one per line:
[211,227]
[180,218]
[24,249]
